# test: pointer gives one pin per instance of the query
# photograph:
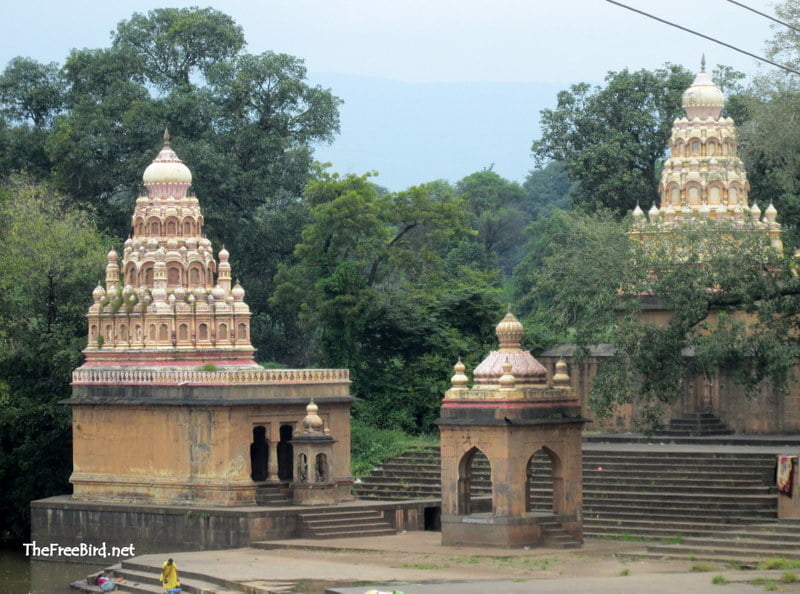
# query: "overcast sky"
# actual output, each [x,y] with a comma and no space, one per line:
[431,41]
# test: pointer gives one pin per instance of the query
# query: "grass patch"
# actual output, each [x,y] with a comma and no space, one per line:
[789,578]
[625,572]
[779,563]
[468,560]
[425,566]
[208,367]
[702,567]
[677,539]
[370,446]
[625,537]
[719,580]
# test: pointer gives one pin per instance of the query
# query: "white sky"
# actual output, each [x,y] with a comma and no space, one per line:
[430,41]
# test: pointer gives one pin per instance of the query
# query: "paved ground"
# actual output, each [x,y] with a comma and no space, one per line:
[415,563]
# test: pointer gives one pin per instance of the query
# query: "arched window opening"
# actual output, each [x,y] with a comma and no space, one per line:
[285,453]
[259,454]
[321,469]
[539,483]
[474,483]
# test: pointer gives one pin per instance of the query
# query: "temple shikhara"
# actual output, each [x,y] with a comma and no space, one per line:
[168,301]
[170,406]
[703,177]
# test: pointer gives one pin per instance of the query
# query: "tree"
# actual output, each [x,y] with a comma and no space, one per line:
[497,213]
[547,187]
[173,45]
[371,291]
[612,138]
[52,256]
[734,301]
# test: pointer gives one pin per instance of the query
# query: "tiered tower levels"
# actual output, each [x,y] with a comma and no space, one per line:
[703,177]
[168,301]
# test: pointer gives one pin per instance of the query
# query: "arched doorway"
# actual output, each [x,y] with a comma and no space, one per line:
[259,454]
[474,483]
[285,454]
[539,482]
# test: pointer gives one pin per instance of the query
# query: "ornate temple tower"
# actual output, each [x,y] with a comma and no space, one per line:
[527,427]
[170,406]
[703,177]
[168,301]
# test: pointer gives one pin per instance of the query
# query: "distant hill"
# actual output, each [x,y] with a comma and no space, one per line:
[417,132]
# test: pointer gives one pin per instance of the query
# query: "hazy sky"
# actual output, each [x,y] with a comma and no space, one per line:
[431,41]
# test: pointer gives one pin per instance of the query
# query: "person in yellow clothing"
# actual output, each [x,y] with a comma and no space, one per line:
[169,576]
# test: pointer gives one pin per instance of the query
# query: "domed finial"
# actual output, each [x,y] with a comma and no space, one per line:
[509,331]
[312,422]
[507,381]
[561,378]
[459,380]
[703,63]
[166,137]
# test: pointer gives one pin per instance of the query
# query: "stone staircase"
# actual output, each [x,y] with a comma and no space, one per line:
[343,523]
[145,579]
[696,424]
[269,494]
[749,543]
[647,494]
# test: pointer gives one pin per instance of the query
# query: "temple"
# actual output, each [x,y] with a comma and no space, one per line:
[527,426]
[170,406]
[703,177]
[168,301]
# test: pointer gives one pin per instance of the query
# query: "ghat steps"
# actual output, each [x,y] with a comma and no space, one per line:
[648,494]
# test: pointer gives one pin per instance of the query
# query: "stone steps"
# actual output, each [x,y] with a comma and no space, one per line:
[341,524]
[145,579]
[747,542]
[643,493]
[271,494]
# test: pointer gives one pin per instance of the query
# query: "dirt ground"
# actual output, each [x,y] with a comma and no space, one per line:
[311,566]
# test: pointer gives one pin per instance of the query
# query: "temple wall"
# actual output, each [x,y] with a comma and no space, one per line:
[770,412]
[190,444]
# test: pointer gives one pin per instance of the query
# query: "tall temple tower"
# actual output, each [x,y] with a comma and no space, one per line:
[703,177]
[168,302]
[170,406]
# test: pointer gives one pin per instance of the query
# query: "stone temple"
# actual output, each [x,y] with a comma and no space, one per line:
[170,406]
[703,179]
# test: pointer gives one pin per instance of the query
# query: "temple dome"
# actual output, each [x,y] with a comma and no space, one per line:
[703,99]
[167,167]
[525,369]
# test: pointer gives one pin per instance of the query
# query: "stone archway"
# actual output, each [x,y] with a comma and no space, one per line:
[474,481]
[540,480]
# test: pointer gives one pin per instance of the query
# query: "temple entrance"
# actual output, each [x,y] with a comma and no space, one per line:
[259,454]
[285,454]
[539,483]
[474,484]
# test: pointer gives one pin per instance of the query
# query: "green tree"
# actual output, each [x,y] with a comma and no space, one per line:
[734,303]
[372,291]
[173,45]
[547,187]
[612,138]
[52,255]
[497,213]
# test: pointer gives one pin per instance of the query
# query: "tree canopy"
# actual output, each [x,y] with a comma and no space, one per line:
[612,139]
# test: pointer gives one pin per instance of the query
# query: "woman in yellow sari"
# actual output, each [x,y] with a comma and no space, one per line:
[169,575]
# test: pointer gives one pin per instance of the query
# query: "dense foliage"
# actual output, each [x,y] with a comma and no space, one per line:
[339,272]
[51,255]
